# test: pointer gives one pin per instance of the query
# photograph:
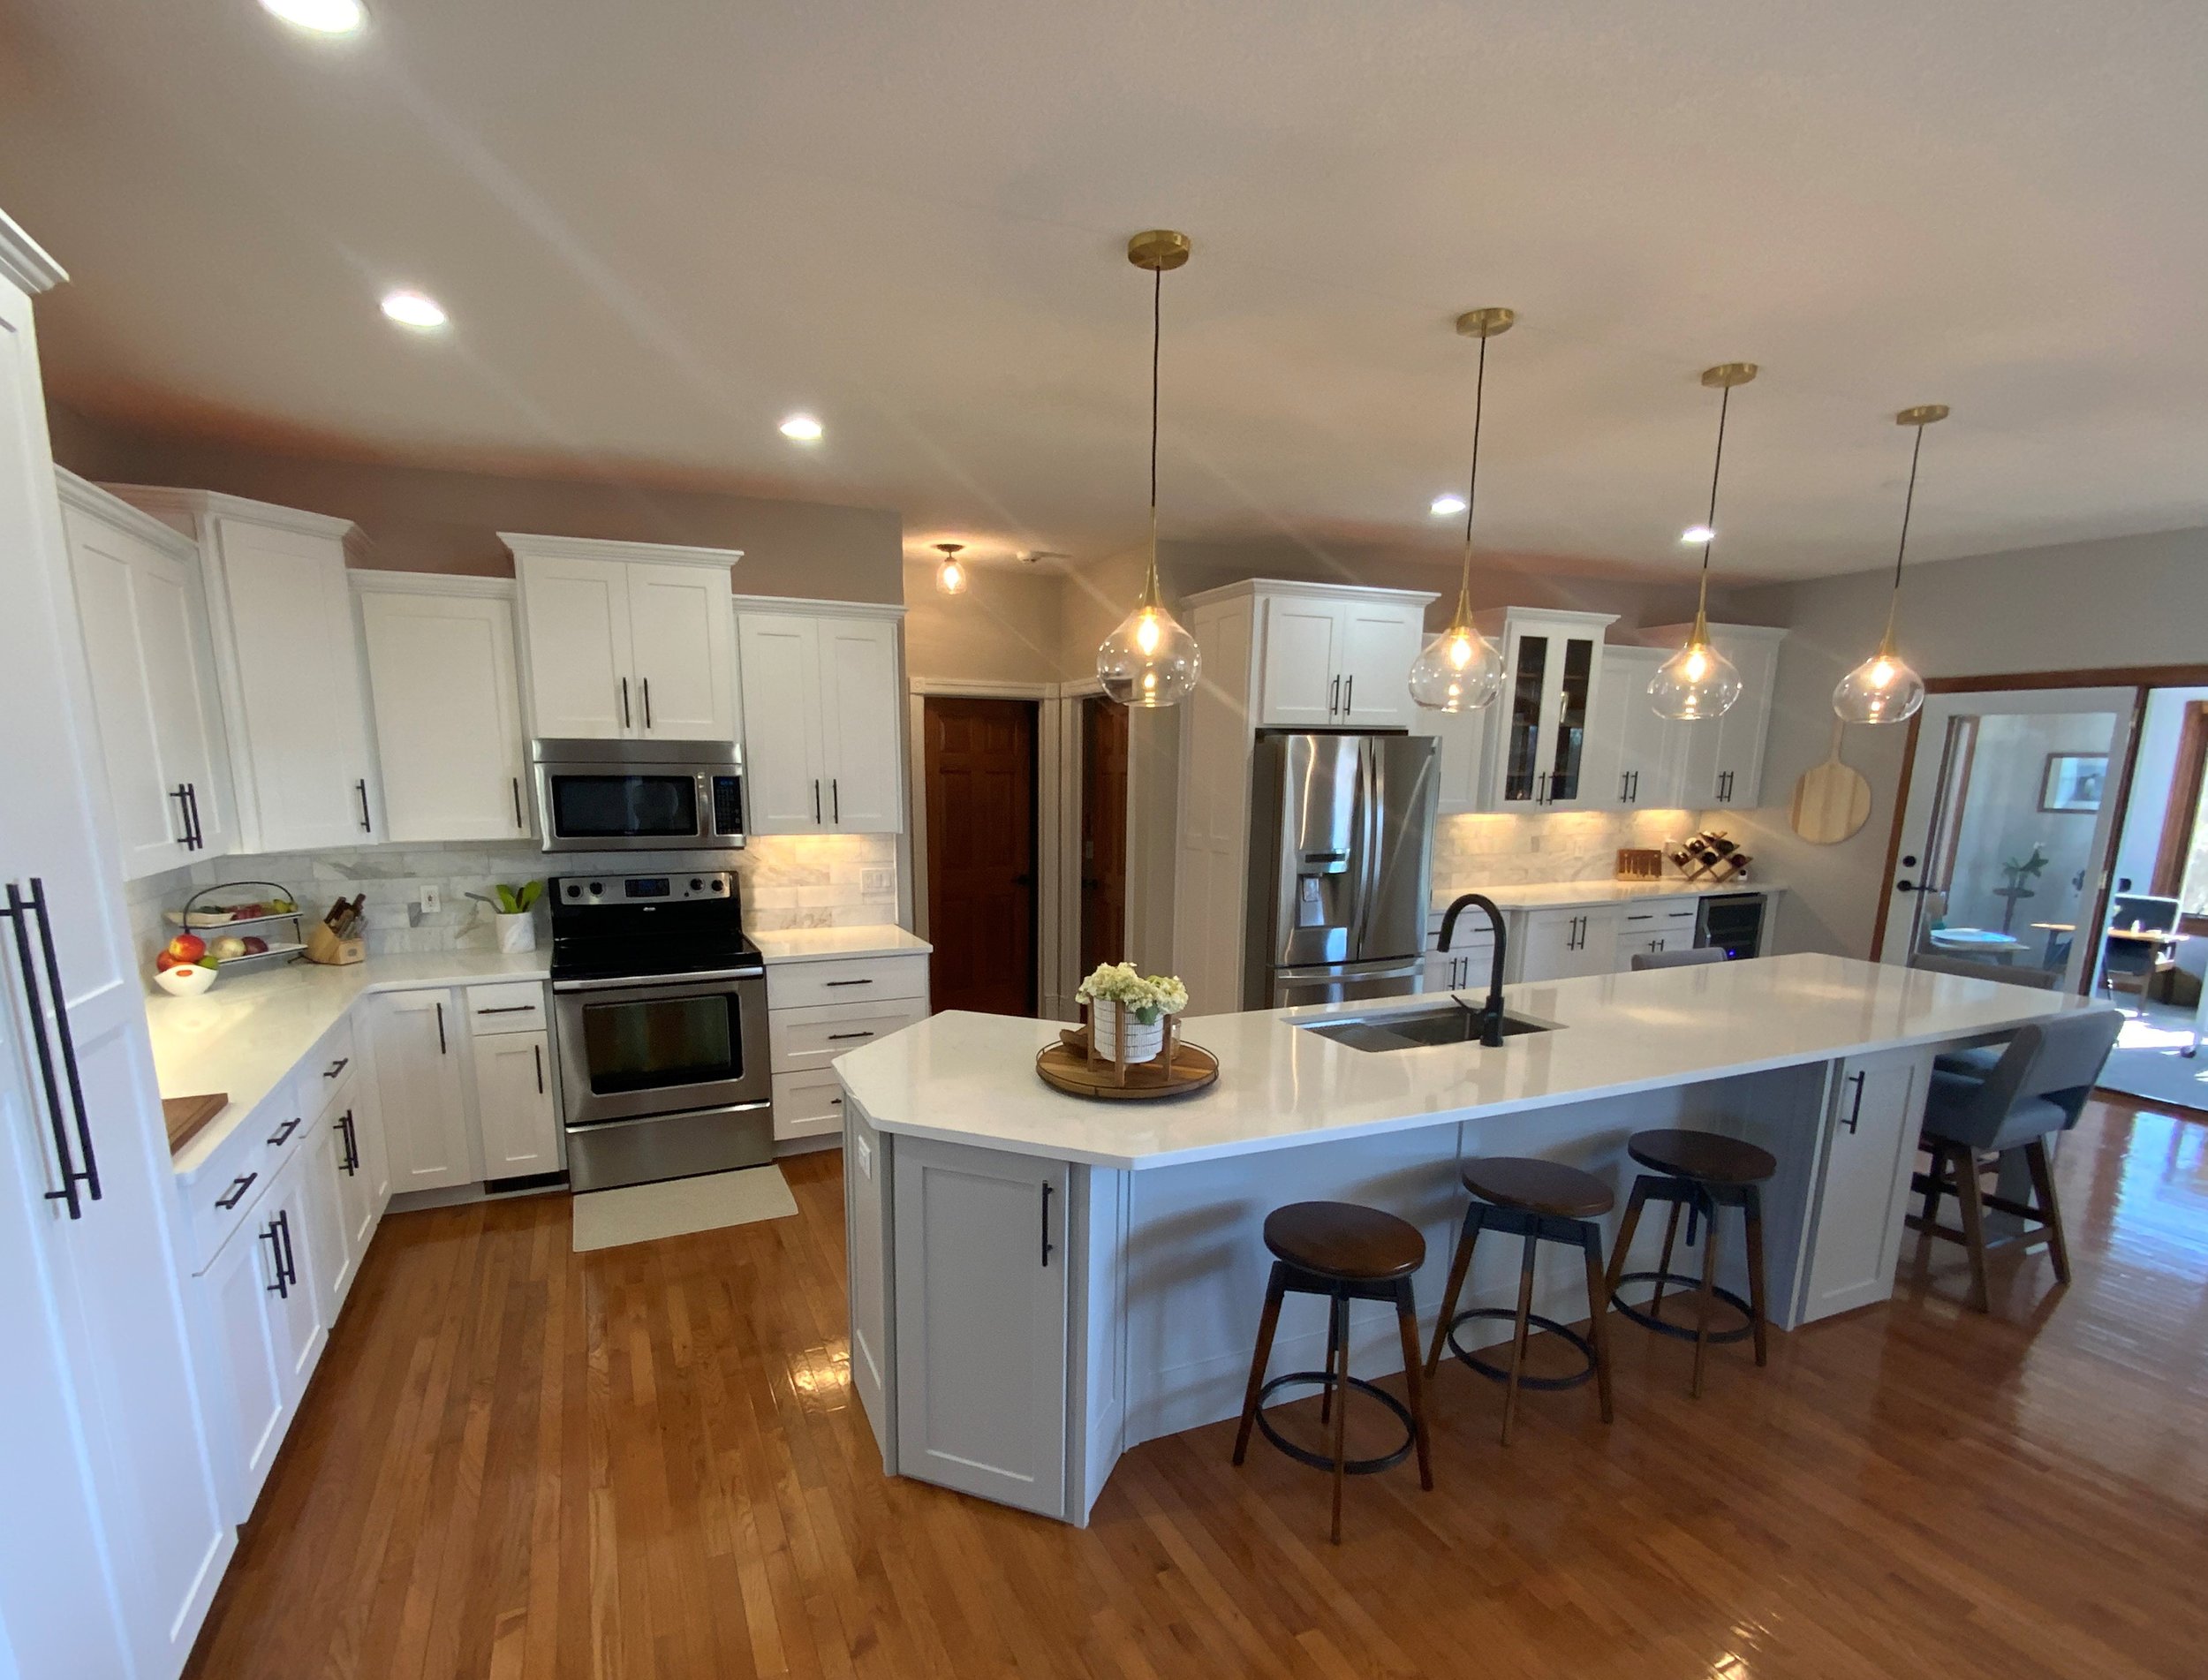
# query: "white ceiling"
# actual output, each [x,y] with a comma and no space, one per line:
[660,227]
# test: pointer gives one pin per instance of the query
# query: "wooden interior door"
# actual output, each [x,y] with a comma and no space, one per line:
[981,762]
[1103,833]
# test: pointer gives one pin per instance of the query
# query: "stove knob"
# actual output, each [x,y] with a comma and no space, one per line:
[574,891]
[697,885]
[597,886]
[720,886]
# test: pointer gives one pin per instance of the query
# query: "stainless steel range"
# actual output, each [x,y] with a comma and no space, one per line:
[659,1002]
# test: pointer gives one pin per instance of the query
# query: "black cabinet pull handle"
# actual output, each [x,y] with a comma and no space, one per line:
[19,911]
[90,1172]
[360,787]
[1349,697]
[1854,1111]
[518,823]
[290,1255]
[1047,1242]
[183,797]
[23,909]
[283,1132]
[624,702]
[646,687]
[537,1050]
[847,982]
[835,801]
[1333,698]
[849,1035]
[816,799]
[337,1067]
[442,1050]
[510,1008]
[347,1162]
[192,799]
[280,1288]
[236,1192]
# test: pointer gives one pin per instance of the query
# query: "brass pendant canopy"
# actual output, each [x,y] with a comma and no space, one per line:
[1885,689]
[1698,682]
[1459,670]
[950,574]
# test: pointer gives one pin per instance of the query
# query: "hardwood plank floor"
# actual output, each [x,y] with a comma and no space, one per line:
[516,1461]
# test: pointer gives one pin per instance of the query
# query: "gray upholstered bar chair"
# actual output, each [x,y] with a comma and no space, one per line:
[1693,958]
[2038,1086]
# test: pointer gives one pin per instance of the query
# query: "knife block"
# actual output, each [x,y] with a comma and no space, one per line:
[326,947]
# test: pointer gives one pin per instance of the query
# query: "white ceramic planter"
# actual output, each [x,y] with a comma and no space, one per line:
[517,933]
[1107,1022]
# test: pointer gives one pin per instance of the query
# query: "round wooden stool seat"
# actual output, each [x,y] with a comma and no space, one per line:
[1537,1187]
[1340,1239]
[1702,1156]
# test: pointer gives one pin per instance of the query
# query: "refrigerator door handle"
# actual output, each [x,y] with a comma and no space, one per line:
[1371,791]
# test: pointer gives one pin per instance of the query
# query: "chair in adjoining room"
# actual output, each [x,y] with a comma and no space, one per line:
[2038,1086]
[2133,957]
[1693,958]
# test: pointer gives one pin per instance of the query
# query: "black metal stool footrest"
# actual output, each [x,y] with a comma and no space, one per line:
[1501,1374]
[1689,1288]
[1324,1461]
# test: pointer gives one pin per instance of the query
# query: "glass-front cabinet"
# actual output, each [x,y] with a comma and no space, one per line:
[1538,754]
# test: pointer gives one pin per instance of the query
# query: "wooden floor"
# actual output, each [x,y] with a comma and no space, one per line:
[517,1461]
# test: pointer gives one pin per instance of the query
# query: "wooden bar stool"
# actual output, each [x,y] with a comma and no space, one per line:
[1700,1172]
[1346,1253]
[1537,1201]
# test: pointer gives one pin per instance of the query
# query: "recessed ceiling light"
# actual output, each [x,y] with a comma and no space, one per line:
[803,428]
[414,309]
[1696,534]
[1446,503]
[321,17]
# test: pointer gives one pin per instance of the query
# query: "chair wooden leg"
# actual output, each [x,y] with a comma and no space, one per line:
[2050,1210]
[1634,1203]
[1931,1215]
[1752,1203]
[1333,1354]
[1459,1268]
[1260,1356]
[1339,1366]
[1968,1197]
[1705,1301]
[1598,1316]
[1663,1266]
[1407,1321]
[1518,1335]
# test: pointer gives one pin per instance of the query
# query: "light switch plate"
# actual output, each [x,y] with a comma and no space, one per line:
[873,883]
[430,900]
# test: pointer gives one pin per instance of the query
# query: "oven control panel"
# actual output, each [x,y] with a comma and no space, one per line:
[573,892]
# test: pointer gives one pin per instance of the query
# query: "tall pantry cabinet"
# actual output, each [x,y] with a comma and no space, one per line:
[114,1539]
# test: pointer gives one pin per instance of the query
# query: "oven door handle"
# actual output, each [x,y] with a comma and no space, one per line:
[659,981]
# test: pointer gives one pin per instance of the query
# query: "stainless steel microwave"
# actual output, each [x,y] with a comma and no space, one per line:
[638,796]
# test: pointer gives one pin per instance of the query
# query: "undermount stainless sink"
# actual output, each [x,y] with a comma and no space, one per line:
[1412,1029]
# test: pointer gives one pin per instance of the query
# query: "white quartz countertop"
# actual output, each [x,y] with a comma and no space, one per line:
[1559,895]
[246,1033]
[820,944]
[971,1078]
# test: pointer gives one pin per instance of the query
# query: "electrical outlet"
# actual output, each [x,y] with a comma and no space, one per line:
[873,883]
[430,899]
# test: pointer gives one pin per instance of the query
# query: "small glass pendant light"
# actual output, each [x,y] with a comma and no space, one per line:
[1150,659]
[950,575]
[1883,689]
[1698,682]
[1459,670]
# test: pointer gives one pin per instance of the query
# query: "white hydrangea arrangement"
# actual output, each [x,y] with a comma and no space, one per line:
[1145,998]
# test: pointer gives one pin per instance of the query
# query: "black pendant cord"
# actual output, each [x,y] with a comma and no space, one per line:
[1157,332]
[1908,502]
[1471,489]
[1717,466]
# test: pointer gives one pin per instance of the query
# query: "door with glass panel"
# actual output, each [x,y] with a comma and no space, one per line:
[1541,758]
[2005,839]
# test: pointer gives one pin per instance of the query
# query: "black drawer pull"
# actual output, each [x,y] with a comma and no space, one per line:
[283,1132]
[337,1067]
[510,1008]
[847,982]
[850,1035]
[237,1194]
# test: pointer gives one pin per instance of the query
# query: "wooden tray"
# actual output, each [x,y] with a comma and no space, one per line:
[186,1116]
[1065,1066]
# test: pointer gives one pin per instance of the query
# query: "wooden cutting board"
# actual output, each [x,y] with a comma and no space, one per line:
[186,1116]
[1832,800]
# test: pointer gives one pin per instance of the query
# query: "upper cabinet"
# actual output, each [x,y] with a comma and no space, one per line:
[144,618]
[821,684]
[1539,754]
[1724,758]
[626,639]
[1639,757]
[288,667]
[1331,657]
[446,704]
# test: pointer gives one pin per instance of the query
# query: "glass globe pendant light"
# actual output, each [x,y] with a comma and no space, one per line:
[1459,670]
[1698,682]
[1150,659]
[1883,689]
[950,575]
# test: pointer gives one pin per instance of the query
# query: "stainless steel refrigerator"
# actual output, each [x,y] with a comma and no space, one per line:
[1341,853]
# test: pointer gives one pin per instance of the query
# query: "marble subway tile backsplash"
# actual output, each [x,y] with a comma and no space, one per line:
[1471,852]
[789,880]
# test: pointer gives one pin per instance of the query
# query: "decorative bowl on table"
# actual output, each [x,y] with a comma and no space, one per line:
[184,979]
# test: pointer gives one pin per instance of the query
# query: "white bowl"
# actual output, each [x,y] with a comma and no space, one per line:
[185,980]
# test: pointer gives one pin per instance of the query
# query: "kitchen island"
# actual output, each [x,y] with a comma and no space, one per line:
[1038,1282]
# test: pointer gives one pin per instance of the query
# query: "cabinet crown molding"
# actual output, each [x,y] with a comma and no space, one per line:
[87,498]
[24,262]
[812,607]
[524,546]
[382,581]
[1258,588]
[172,505]
[1662,635]
[1488,616]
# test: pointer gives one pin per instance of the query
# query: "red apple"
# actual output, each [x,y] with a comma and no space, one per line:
[167,961]
[187,948]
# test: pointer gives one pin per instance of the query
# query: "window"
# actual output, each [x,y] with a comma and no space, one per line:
[2181,865]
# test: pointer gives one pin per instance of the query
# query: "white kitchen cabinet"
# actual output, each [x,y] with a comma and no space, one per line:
[250,1339]
[626,639]
[326,1253]
[1638,757]
[446,703]
[1724,758]
[981,1310]
[1538,756]
[1466,966]
[822,686]
[144,618]
[1650,926]
[418,1042]
[514,1105]
[355,1138]
[1874,1107]
[1462,758]
[288,666]
[1564,944]
[867,1270]
[1334,658]
[115,1535]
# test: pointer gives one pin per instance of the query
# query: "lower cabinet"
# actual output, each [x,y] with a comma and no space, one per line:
[514,1105]
[419,1039]
[1874,1106]
[1464,967]
[1654,929]
[327,1256]
[818,1009]
[1564,944]
[982,1314]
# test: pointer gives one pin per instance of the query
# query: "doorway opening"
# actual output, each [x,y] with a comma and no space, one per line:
[979,768]
[1103,832]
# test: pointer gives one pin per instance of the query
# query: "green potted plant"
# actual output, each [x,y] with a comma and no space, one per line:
[1126,1007]
[517,927]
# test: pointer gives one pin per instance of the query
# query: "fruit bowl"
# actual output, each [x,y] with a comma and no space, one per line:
[185,980]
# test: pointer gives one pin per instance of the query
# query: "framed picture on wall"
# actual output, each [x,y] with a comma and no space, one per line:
[2074,782]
